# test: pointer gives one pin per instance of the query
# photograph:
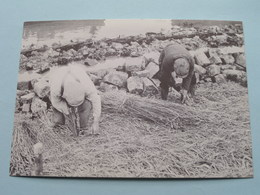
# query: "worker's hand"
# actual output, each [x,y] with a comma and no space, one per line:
[184,96]
[95,128]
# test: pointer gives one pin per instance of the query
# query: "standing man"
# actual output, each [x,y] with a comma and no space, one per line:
[71,87]
[176,62]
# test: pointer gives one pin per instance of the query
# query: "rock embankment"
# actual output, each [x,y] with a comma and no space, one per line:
[218,54]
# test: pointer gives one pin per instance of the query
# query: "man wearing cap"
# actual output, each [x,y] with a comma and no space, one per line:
[71,87]
[176,62]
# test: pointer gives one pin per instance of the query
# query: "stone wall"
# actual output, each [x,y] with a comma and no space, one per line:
[218,55]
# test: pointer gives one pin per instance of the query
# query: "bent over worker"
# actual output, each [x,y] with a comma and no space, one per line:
[176,62]
[71,87]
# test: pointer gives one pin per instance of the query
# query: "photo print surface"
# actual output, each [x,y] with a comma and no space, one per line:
[132,99]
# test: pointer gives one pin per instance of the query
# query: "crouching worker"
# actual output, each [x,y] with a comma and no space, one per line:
[176,62]
[71,88]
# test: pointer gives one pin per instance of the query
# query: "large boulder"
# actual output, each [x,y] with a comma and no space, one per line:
[63,60]
[41,88]
[116,78]
[126,52]
[35,53]
[231,50]
[218,40]
[52,53]
[135,85]
[240,59]
[23,59]
[214,29]
[202,49]
[220,78]
[227,59]
[20,93]
[111,52]
[234,75]
[105,87]
[29,65]
[28,97]
[84,51]
[121,68]
[44,67]
[208,79]
[150,87]
[213,70]
[38,105]
[24,80]
[134,64]
[117,46]
[135,54]
[199,69]
[134,43]
[142,73]
[26,107]
[243,81]
[214,57]
[152,68]
[151,57]
[71,52]
[201,58]
[227,67]
[221,39]
[103,44]
[101,73]
[90,62]
[17,106]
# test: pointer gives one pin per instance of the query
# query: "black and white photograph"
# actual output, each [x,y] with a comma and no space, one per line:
[135,98]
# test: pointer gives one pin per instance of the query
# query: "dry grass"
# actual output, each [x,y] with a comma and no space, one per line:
[144,137]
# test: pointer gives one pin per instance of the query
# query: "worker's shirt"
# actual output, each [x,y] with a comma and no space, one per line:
[56,84]
[171,53]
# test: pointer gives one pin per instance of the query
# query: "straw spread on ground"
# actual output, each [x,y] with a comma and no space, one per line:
[146,137]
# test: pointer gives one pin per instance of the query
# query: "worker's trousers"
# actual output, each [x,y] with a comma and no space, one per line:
[84,111]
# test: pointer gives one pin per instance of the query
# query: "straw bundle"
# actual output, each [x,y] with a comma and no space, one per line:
[28,132]
[153,110]
[21,159]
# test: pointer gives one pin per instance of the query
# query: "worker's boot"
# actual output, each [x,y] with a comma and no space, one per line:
[164,93]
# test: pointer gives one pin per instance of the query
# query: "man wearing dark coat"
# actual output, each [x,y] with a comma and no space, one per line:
[176,62]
